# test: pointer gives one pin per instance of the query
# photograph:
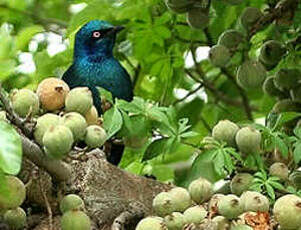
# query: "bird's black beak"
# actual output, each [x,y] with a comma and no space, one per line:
[117,29]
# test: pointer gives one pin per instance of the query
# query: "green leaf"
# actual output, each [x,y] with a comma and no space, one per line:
[25,36]
[158,147]
[10,149]
[112,121]
[297,153]
[270,191]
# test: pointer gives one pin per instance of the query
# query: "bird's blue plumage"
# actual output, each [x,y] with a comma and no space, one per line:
[94,64]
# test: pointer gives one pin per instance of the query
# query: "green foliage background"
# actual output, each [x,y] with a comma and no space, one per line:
[153,49]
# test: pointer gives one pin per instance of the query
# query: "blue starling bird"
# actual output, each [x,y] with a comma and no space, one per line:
[94,64]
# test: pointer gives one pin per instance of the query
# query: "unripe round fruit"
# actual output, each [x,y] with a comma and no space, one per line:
[24,101]
[79,100]
[225,131]
[15,218]
[287,105]
[195,215]
[71,202]
[254,201]
[251,75]
[250,17]
[75,220]
[295,179]
[198,18]
[13,195]
[200,190]
[174,221]
[214,201]
[221,223]
[95,136]
[219,55]
[43,124]
[180,6]
[92,116]
[181,199]
[163,204]
[241,227]
[58,141]
[230,206]
[287,211]
[286,79]
[76,123]
[270,88]
[230,39]
[271,52]
[151,223]
[52,93]
[279,170]
[241,182]
[248,140]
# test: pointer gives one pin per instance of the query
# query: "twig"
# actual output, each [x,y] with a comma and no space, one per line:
[245,99]
[208,36]
[188,94]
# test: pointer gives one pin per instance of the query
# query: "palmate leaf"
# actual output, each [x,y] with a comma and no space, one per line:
[10,149]
[112,121]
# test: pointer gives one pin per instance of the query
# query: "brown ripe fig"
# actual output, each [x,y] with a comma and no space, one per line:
[13,194]
[251,75]
[198,18]
[92,116]
[279,170]
[25,102]
[241,182]
[79,100]
[52,93]
[250,17]
[225,130]
[219,55]
[287,212]
[231,39]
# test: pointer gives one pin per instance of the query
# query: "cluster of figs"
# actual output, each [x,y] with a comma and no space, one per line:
[63,117]
[198,208]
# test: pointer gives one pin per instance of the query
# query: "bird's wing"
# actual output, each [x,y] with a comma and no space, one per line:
[72,78]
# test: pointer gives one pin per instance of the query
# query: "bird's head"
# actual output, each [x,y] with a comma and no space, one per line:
[96,38]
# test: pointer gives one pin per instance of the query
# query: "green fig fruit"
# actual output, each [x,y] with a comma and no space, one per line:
[163,204]
[58,141]
[240,183]
[181,199]
[180,6]
[214,201]
[287,105]
[221,223]
[225,131]
[248,140]
[95,136]
[231,39]
[71,202]
[174,221]
[251,75]
[280,170]
[241,227]
[287,212]
[255,202]
[198,18]
[219,55]
[15,218]
[151,223]
[286,79]
[271,52]
[79,100]
[270,88]
[195,215]
[230,207]
[249,17]
[76,123]
[295,179]
[24,101]
[75,220]
[200,190]
[43,124]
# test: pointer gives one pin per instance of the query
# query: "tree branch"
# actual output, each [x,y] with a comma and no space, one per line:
[188,94]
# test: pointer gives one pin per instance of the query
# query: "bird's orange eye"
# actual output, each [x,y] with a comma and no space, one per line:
[96,34]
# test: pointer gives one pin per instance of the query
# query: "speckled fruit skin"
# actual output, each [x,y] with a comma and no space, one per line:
[241,227]
[71,202]
[254,202]
[230,207]
[214,201]
[287,212]
[195,215]
[43,124]
[52,93]
[15,218]
[181,199]
[225,131]
[200,190]
[249,17]
[95,136]
[24,101]
[221,223]
[151,223]
[280,170]
[248,140]
[163,204]
[197,18]
[219,55]
[75,220]
[231,39]
[240,183]
[76,123]
[58,141]
[174,221]
[251,75]
[13,195]
[92,116]
[79,100]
